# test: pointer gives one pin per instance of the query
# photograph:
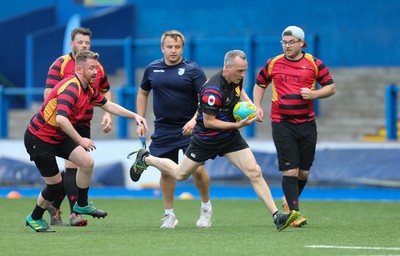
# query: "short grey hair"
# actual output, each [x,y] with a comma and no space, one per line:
[230,57]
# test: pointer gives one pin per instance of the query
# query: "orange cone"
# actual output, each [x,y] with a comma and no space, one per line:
[14,195]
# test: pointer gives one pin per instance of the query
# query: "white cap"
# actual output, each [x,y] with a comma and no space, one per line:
[295,32]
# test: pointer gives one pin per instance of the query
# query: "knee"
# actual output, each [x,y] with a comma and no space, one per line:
[200,172]
[87,163]
[303,175]
[254,173]
[182,177]
[166,178]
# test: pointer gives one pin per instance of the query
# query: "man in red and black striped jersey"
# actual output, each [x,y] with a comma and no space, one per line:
[61,68]
[293,76]
[51,133]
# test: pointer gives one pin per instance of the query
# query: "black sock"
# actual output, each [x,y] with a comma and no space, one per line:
[83,196]
[291,191]
[37,213]
[275,215]
[144,159]
[57,202]
[70,186]
[301,184]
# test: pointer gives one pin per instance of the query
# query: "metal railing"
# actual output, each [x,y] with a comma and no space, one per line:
[129,91]
[392,91]
[5,95]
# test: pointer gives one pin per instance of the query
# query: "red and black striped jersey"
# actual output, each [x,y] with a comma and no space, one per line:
[287,78]
[64,66]
[68,98]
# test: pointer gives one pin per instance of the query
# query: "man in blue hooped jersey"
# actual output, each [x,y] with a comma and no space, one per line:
[216,133]
[175,82]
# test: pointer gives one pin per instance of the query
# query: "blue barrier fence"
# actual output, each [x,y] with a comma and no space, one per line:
[392,91]
[131,48]
[5,95]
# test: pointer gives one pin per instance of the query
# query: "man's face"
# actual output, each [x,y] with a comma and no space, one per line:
[237,71]
[88,71]
[80,42]
[291,46]
[172,50]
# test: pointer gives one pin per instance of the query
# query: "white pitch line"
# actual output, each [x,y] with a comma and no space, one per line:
[353,247]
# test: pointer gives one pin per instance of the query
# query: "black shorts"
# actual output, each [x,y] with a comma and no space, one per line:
[84,131]
[200,152]
[295,144]
[44,154]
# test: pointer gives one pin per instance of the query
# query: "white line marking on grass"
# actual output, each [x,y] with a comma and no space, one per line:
[353,247]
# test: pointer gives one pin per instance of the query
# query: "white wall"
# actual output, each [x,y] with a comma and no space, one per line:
[107,151]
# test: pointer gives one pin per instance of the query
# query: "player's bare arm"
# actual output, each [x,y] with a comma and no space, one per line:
[211,122]
[187,129]
[258,96]
[141,106]
[244,96]
[323,92]
[118,110]
[107,119]
[67,127]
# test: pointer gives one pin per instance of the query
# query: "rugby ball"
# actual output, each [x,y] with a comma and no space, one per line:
[244,109]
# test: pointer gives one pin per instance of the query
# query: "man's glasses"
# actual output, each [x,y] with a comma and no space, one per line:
[290,43]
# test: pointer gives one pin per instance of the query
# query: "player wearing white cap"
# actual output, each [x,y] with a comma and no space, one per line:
[293,76]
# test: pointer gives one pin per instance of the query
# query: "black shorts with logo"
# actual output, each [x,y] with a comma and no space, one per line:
[295,144]
[200,151]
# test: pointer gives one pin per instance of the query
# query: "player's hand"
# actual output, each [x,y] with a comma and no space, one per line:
[259,114]
[247,121]
[307,93]
[140,121]
[187,130]
[107,123]
[140,131]
[87,144]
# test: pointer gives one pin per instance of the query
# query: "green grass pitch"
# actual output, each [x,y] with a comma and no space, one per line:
[240,227]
